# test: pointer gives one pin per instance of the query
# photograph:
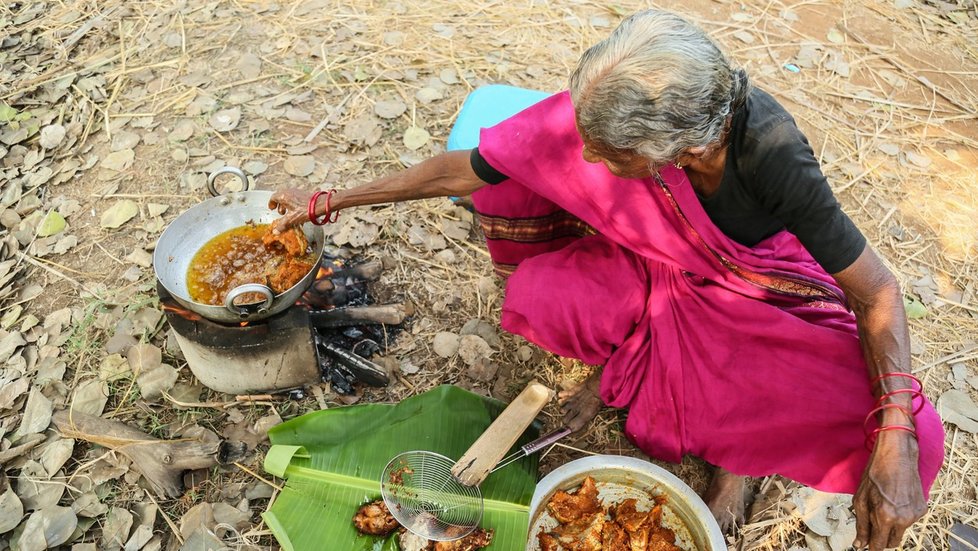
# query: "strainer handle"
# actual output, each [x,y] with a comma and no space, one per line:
[490,448]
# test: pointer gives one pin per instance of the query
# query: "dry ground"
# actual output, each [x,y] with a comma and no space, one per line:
[152,96]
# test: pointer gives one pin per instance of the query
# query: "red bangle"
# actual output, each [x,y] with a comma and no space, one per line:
[880,408]
[877,380]
[914,394]
[871,438]
[326,218]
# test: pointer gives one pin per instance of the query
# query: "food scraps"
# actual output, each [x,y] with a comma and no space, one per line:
[586,524]
[375,519]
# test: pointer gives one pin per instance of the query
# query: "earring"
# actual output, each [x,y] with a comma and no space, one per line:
[677,165]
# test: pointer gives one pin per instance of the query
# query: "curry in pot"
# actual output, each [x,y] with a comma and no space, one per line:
[248,254]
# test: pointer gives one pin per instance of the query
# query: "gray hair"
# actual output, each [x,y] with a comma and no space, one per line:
[656,86]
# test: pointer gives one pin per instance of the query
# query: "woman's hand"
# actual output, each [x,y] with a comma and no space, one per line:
[890,497]
[293,204]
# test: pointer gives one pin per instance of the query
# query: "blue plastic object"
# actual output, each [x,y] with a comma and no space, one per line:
[488,106]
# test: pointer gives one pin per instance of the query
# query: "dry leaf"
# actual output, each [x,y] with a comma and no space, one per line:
[182,131]
[225,120]
[254,167]
[119,160]
[446,344]
[37,413]
[415,138]
[52,136]
[119,213]
[11,511]
[390,109]
[249,65]
[957,407]
[472,348]
[90,397]
[300,165]
[428,95]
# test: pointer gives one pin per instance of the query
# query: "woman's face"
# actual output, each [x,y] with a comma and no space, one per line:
[623,164]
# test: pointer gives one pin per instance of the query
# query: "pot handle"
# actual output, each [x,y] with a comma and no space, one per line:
[226,170]
[249,288]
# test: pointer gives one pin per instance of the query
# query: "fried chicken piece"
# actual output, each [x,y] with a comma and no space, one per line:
[476,540]
[375,519]
[663,539]
[583,534]
[290,272]
[293,241]
[639,525]
[571,507]
[613,537]
[548,542]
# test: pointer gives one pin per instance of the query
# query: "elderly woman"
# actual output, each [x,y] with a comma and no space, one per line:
[669,222]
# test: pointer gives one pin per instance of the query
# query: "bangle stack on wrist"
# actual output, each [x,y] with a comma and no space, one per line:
[882,405]
[329,216]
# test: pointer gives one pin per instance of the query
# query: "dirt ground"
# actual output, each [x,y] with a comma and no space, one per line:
[112,114]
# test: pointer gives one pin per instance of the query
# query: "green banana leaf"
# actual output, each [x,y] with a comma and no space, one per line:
[333,460]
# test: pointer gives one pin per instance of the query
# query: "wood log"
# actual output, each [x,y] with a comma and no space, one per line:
[387,314]
[162,462]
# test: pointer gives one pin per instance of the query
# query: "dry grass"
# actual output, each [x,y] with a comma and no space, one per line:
[914,72]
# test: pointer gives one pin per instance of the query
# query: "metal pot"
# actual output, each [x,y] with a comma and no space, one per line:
[189,232]
[618,478]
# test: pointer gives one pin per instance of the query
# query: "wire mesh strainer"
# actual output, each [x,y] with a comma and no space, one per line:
[439,499]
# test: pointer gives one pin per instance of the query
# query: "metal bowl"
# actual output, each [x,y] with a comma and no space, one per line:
[619,477]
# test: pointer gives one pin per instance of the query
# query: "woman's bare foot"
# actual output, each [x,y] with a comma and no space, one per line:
[581,403]
[725,498]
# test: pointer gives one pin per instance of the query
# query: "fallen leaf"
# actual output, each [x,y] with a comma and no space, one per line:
[919,159]
[744,36]
[890,149]
[363,130]
[182,131]
[225,120]
[119,160]
[119,213]
[915,309]
[446,344]
[52,136]
[390,109]
[90,396]
[113,367]
[11,511]
[156,209]
[254,167]
[835,36]
[428,95]
[300,165]
[52,224]
[957,407]
[124,140]
[415,138]
[140,257]
[37,413]
[472,348]
[115,531]
[448,76]
[249,65]
[144,357]
[153,383]
[55,454]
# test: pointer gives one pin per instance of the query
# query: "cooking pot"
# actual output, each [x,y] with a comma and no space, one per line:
[189,232]
[617,478]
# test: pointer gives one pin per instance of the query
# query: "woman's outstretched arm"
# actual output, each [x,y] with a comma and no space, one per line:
[448,174]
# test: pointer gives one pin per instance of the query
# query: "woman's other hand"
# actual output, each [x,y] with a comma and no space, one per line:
[293,205]
[890,497]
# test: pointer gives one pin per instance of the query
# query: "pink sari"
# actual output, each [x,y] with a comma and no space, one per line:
[746,357]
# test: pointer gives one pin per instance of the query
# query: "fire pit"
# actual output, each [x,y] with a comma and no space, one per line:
[329,334]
